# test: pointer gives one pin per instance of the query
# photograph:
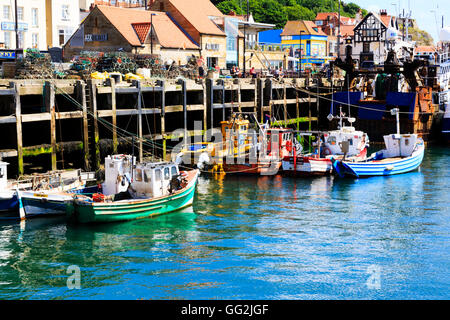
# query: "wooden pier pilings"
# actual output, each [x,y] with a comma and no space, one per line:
[56,124]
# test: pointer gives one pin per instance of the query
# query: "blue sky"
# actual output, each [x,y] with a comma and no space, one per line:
[421,11]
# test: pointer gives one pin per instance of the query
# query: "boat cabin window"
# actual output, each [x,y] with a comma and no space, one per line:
[406,144]
[147,176]
[166,173]
[138,175]
[243,128]
[158,174]
[174,171]
[332,140]
[350,142]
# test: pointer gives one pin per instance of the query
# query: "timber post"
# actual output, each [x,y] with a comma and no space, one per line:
[18,128]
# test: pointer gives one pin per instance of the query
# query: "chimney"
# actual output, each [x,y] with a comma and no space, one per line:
[383,12]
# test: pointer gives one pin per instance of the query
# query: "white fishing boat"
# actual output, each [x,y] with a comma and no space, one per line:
[328,145]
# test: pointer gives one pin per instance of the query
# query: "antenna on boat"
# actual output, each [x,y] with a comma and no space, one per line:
[396,112]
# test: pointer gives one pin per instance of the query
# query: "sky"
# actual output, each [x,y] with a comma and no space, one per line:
[421,11]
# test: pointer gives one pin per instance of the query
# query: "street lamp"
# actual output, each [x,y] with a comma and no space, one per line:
[300,68]
[151,32]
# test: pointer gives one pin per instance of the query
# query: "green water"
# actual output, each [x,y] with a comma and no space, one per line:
[252,238]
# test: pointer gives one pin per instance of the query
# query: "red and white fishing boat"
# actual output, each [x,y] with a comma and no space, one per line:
[345,142]
[276,144]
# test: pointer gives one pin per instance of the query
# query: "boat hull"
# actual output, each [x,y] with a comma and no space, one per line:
[261,168]
[44,204]
[8,205]
[446,129]
[92,212]
[307,166]
[380,168]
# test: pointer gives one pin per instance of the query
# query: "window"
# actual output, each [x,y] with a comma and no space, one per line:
[64,35]
[34,17]
[166,174]
[212,62]
[138,175]
[65,12]
[35,40]
[158,175]
[20,13]
[332,140]
[7,40]
[174,171]
[147,176]
[6,12]
[319,23]
[61,37]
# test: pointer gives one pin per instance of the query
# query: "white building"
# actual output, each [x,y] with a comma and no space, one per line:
[63,19]
[42,24]
[375,36]
[31,24]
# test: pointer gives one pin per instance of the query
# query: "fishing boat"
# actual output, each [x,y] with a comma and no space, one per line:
[328,145]
[135,191]
[53,197]
[265,158]
[208,156]
[40,194]
[403,153]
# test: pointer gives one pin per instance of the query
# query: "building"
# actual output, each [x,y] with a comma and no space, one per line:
[313,42]
[331,25]
[259,54]
[109,29]
[31,24]
[217,35]
[375,36]
[87,5]
[426,53]
[63,18]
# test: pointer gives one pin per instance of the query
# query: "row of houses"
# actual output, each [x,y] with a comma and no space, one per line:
[179,29]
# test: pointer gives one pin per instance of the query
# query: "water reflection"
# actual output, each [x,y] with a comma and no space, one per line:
[251,238]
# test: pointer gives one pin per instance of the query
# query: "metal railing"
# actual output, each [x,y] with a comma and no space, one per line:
[264,46]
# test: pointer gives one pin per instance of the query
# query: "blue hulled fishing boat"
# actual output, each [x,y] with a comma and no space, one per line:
[403,153]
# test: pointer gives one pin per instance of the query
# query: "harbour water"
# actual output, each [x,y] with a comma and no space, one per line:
[253,238]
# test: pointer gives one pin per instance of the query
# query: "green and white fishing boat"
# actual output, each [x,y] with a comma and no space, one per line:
[135,191]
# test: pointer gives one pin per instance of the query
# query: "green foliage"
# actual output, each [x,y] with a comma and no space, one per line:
[280,11]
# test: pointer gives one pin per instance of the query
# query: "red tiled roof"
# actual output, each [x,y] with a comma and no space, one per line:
[197,12]
[293,28]
[142,30]
[347,31]
[134,26]
[325,15]
[425,49]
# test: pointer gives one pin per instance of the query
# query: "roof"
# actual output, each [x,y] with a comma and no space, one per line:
[293,28]
[425,49]
[322,16]
[347,31]
[325,15]
[134,25]
[197,12]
